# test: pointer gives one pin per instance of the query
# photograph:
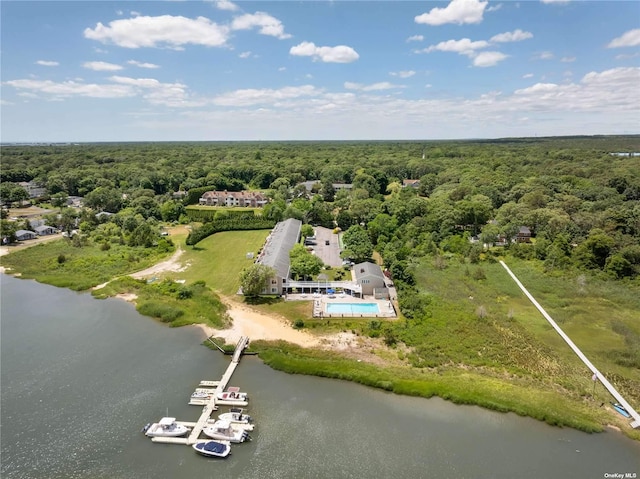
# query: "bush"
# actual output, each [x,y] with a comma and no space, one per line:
[164,312]
[299,324]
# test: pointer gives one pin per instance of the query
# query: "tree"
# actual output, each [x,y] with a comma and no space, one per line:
[306,231]
[303,263]
[357,244]
[254,278]
[59,200]
[171,210]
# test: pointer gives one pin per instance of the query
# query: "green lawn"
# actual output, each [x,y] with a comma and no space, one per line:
[219,258]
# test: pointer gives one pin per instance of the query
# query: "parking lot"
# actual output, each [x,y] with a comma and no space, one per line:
[327,246]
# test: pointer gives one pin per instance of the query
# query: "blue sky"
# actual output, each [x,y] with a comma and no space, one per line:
[219,70]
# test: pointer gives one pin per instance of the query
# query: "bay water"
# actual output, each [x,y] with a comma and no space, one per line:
[80,377]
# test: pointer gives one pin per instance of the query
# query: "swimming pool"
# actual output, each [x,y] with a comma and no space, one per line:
[352,308]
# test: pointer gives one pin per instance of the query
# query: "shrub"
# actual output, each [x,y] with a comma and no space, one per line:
[299,324]
[61,258]
[164,312]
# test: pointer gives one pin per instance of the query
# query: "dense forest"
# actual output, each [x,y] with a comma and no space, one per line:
[578,198]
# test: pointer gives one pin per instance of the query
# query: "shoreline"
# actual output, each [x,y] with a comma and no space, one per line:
[258,325]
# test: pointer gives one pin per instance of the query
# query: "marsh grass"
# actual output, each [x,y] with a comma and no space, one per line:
[167,301]
[83,267]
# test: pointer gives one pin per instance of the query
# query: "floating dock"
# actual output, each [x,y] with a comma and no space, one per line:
[210,404]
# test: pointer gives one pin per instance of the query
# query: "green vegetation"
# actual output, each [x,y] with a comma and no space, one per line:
[460,386]
[562,212]
[62,264]
[171,302]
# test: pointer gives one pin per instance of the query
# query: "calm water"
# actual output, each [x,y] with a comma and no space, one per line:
[80,377]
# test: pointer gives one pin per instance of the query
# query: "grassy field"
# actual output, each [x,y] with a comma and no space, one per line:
[219,258]
[61,264]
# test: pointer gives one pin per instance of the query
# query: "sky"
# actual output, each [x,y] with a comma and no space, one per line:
[85,71]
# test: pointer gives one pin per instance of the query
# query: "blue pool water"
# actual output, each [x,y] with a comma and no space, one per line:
[352,308]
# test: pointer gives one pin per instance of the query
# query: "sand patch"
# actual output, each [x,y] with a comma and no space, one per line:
[171,265]
[257,325]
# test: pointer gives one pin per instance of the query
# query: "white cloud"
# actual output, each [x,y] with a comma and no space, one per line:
[403,73]
[527,75]
[337,54]
[266,24]
[281,69]
[47,63]
[101,66]
[373,87]
[251,96]
[488,59]
[543,56]
[158,93]
[628,39]
[611,89]
[568,59]
[555,1]
[627,56]
[463,46]
[133,13]
[71,88]
[245,55]
[428,85]
[514,36]
[415,38]
[458,11]
[165,30]
[226,5]
[142,64]
[494,8]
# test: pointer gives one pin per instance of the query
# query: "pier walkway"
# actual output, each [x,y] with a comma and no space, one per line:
[200,424]
[614,392]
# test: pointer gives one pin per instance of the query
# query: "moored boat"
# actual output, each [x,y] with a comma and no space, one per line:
[213,448]
[166,427]
[233,396]
[225,431]
[236,415]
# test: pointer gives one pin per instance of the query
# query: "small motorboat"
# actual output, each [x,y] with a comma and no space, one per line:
[213,448]
[233,396]
[236,416]
[225,431]
[621,410]
[166,427]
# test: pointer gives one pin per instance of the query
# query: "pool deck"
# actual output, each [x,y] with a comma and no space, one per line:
[386,307]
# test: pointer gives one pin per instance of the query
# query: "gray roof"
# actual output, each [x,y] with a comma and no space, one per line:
[38,229]
[23,232]
[284,235]
[368,269]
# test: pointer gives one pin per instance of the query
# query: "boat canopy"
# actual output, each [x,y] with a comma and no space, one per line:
[212,446]
[167,421]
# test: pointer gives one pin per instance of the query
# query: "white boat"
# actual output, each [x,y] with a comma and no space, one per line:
[166,427]
[235,416]
[233,396]
[213,448]
[202,393]
[225,431]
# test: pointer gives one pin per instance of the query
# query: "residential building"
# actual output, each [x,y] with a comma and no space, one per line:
[371,278]
[253,199]
[22,235]
[275,253]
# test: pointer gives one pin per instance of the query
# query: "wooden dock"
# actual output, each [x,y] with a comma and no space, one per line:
[210,406]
